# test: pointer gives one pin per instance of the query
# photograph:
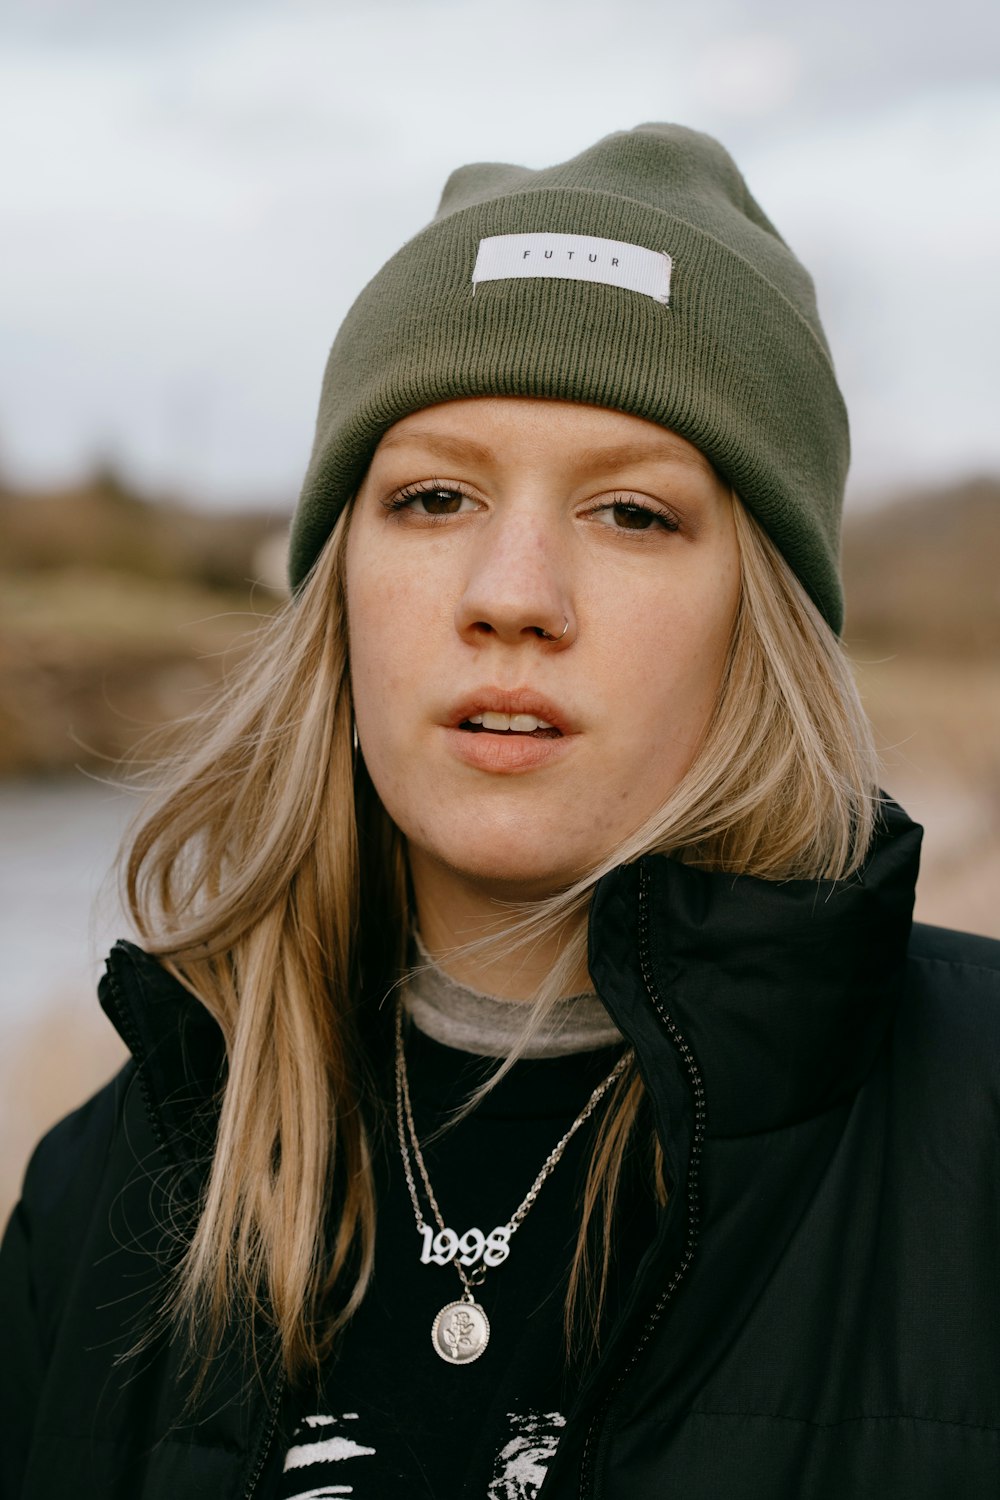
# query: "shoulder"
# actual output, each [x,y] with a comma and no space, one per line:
[957,973]
[70,1157]
[947,1036]
[65,1184]
[65,1174]
[973,957]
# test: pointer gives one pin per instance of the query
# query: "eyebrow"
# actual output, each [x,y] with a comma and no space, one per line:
[659,450]
[462,450]
[612,456]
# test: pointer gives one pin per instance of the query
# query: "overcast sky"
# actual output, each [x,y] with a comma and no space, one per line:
[193,193]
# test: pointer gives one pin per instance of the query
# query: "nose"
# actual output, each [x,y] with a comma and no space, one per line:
[517,587]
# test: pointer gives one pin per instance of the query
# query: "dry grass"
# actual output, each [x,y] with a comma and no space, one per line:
[92,661]
[938,728]
[48,1068]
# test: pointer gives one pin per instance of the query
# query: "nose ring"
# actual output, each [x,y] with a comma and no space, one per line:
[547,637]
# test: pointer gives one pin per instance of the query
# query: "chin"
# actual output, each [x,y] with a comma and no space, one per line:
[516,852]
[508,875]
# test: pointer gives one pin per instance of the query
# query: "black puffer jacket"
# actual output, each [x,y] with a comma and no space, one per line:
[818,1317]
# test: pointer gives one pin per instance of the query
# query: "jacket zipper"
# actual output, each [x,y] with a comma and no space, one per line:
[692,1195]
[264,1446]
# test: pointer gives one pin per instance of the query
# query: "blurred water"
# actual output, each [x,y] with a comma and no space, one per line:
[59,912]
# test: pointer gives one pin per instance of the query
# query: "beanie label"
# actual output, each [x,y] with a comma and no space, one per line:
[574,257]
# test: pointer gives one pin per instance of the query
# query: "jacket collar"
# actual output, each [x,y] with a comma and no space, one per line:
[178,1048]
[781,991]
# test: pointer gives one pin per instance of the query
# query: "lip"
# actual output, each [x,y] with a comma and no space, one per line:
[508,754]
[521,700]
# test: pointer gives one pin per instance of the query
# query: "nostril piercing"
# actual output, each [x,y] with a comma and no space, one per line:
[547,637]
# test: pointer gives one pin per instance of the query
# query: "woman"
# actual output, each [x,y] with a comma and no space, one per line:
[535,1075]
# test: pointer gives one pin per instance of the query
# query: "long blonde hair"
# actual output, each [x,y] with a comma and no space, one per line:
[268,878]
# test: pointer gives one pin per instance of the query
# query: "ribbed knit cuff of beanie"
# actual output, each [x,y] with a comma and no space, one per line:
[719,339]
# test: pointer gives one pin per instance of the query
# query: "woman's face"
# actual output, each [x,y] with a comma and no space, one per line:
[482,527]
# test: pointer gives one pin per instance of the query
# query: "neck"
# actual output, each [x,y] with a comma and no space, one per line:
[455,917]
[467,1021]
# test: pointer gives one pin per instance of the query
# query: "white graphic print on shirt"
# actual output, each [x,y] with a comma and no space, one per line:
[523,1461]
[518,1472]
[326,1448]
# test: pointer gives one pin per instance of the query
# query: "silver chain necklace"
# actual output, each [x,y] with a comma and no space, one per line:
[461,1330]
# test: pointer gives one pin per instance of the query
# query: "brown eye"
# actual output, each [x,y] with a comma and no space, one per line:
[432,502]
[633,517]
[440,502]
[630,515]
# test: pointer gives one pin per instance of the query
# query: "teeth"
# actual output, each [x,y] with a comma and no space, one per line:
[520,723]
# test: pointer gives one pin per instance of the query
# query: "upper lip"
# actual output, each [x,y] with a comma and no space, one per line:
[521,700]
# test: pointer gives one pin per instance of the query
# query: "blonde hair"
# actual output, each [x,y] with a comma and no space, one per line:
[270,881]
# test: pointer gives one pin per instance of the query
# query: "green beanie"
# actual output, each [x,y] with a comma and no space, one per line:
[642,276]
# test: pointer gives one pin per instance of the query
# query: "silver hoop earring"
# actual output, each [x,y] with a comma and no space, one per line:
[547,637]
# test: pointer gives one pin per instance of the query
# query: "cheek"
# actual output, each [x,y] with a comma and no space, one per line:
[670,674]
[376,611]
[392,628]
[375,607]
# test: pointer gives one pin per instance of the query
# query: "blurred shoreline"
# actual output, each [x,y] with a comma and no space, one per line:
[117,615]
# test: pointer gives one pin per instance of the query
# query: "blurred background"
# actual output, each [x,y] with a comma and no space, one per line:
[192,196]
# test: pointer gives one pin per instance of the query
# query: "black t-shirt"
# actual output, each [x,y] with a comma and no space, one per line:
[391,1420]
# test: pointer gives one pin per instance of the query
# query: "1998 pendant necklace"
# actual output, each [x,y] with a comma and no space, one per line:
[461,1330]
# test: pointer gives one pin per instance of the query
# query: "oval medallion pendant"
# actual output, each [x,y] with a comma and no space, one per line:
[461,1332]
